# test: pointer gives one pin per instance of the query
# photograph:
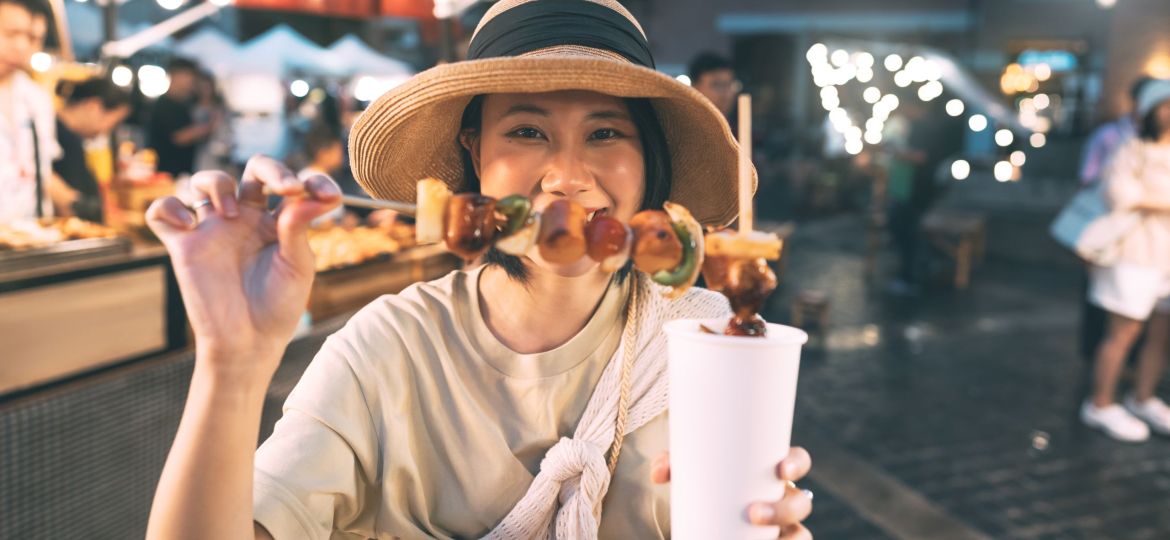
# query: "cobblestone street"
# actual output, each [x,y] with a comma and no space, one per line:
[955,412]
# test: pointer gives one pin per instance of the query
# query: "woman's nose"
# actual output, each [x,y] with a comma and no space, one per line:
[567,175]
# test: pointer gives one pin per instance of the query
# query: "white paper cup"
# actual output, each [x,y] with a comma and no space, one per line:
[731,401]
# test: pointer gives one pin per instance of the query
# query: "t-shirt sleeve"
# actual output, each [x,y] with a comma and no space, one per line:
[318,472]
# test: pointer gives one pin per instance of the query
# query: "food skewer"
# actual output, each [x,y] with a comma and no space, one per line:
[668,244]
[737,262]
[665,244]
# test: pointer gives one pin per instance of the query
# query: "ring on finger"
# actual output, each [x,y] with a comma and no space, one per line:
[200,204]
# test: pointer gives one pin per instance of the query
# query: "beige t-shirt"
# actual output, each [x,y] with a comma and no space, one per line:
[414,421]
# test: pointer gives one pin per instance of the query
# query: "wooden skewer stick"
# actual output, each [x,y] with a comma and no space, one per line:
[373,204]
[745,164]
[378,204]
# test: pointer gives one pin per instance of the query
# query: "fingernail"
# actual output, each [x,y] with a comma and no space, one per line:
[789,470]
[187,219]
[762,513]
[327,189]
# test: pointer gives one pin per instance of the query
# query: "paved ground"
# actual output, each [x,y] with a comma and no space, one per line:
[958,408]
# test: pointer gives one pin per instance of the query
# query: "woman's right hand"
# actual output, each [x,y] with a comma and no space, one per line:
[245,272]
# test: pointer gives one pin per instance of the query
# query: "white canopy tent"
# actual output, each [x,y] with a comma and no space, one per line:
[371,72]
[210,47]
[255,74]
[282,50]
[356,58]
[258,122]
[253,78]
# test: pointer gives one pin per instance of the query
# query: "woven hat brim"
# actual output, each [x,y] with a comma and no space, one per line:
[411,132]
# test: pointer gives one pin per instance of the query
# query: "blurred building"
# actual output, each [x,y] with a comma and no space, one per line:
[1093,48]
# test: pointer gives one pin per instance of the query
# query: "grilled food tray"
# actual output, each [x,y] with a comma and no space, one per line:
[67,251]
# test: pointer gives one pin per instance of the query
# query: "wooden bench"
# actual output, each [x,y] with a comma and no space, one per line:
[962,236]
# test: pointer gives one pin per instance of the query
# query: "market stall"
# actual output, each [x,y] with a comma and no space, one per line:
[79,298]
[96,355]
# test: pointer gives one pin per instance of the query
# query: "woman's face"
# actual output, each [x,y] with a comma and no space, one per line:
[1162,113]
[574,145]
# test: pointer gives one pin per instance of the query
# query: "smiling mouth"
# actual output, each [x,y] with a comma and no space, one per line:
[593,212]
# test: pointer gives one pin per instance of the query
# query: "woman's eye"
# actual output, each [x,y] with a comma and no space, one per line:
[604,134]
[527,133]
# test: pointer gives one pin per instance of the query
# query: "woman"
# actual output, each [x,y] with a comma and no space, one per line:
[1136,290]
[488,402]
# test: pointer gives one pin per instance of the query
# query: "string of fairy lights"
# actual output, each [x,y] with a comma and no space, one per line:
[857,94]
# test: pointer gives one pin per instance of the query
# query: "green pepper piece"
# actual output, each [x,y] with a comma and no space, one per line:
[681,273]
[516,209]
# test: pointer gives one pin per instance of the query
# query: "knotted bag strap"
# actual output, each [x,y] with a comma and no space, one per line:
[629,337]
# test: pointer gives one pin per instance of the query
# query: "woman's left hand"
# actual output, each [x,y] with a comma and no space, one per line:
[788,512]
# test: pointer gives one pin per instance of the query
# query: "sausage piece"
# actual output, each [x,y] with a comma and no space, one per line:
[471,225]
[656,246]
[562,232]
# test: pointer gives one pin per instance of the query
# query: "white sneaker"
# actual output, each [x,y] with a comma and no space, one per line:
[1115,421]
[1152,411]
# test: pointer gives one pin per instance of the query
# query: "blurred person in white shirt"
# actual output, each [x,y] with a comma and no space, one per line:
[27,125]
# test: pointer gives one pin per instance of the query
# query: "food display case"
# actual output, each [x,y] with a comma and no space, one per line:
[32,244]
[357,263]
[80,305]
[345,289]
[77,298]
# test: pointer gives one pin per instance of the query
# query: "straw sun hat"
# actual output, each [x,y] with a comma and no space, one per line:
[531,46]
